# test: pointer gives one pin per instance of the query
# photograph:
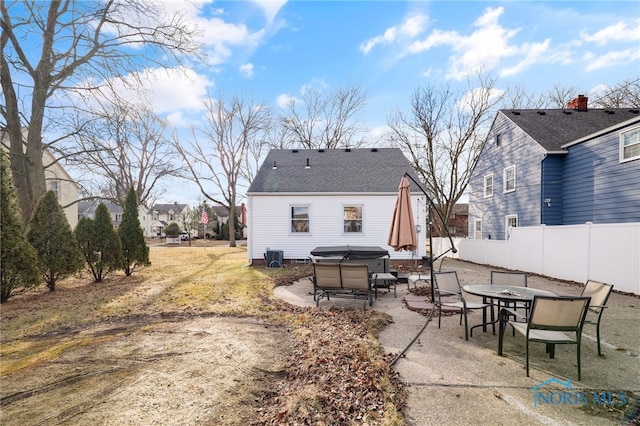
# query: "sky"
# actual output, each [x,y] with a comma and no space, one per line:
[270,51]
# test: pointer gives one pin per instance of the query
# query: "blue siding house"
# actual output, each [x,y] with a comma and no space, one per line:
[556,167]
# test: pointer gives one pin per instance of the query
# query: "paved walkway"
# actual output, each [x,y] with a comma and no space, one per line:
[451,381]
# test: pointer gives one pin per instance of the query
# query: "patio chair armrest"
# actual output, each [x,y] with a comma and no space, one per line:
[447,293]
[505,311]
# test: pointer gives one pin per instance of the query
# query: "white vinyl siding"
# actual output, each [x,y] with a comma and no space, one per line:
[270,223]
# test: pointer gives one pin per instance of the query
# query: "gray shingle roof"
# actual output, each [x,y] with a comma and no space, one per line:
[371,170]
[552,128]
[166,208]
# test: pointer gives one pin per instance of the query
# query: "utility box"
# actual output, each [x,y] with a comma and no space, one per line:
[274,258]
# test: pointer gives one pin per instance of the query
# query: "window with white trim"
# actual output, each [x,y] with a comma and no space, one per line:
[477,229]
[510,221]
[509,179]
[630,145]
[54,185]
[300,219]
[352,219]
[488,185]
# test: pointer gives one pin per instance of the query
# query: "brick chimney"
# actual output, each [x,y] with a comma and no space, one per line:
[579,103]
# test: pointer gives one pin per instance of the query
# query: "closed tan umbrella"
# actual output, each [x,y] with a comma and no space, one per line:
[402,235]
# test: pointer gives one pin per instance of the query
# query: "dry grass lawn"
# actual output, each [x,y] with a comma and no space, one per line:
[194,339]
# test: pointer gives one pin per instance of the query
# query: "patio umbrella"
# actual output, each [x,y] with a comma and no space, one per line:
[402,235]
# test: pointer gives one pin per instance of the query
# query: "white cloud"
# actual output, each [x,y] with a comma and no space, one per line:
[611,59]
[247,70]
[410,28]
[285,100]
[622,31]
[175,89]
[270,7]
[533,52]
[486,48]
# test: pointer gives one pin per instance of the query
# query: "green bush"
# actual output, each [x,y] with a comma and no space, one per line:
[172,230]
[18,259]
[135,252]
[52,237]
[99,244]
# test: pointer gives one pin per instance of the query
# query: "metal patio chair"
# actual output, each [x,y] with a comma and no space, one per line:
[447,286]
[550,319]
[599,294]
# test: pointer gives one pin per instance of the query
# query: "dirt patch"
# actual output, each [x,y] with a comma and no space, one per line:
[194,371]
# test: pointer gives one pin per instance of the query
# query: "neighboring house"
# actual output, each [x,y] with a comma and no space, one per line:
[159,216]
[88,209]
[222,213]
[458,223]
[556,167]
[57,180]
[302,198]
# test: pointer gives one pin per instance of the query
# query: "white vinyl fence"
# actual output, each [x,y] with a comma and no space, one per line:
[608,253]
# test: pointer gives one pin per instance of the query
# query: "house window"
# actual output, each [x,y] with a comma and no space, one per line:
[488,185]
[118,217]
[630,145]
[509,179]
[498,139]
[477,229]
[353,219]
[53,185]
[299,219]
[510,221]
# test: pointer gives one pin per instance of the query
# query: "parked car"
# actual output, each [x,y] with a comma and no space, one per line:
[184,236]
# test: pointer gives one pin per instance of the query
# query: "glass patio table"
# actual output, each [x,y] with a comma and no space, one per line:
[503,294]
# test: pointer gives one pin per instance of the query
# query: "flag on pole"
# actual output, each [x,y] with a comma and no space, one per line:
[204,218]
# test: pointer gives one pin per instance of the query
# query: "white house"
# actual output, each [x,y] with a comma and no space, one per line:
[302,199]
[57,180]
[159,216]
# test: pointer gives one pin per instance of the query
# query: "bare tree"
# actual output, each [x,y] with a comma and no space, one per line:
[125,146]
[443,135]
[78,41]
[218,155]
[519,97]
[622,95]
[559,96]
[325,121]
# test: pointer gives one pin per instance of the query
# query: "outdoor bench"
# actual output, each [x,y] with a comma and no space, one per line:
[341,280]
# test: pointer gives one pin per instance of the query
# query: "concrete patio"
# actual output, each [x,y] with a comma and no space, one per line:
[452,381]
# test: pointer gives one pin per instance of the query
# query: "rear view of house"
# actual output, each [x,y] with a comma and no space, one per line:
[303,198]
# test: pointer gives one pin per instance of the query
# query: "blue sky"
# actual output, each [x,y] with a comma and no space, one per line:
[391,48]
[272,50]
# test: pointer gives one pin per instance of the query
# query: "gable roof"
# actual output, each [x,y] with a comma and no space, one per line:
[88,208]
[167,208]
[370,170]
[553,128]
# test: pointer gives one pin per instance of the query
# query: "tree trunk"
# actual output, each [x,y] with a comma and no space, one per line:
[232,224]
